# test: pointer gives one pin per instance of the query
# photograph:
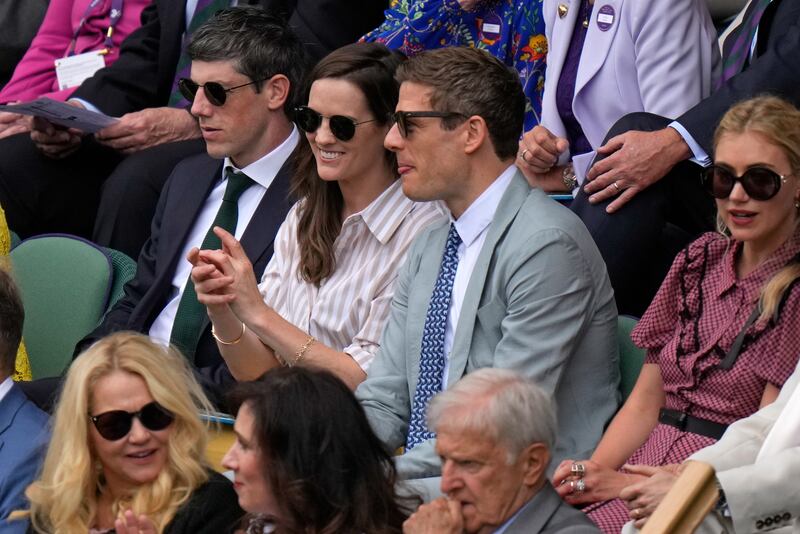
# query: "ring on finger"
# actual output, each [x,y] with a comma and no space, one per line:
[522,155]
[580,486]
[578,469]
[636,513]
[616,186]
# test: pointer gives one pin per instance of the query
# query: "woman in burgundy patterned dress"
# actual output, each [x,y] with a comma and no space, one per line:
[721,335]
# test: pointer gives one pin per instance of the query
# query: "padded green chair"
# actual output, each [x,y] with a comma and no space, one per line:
[65,284]
[631,357]
[15,240]
[124,268]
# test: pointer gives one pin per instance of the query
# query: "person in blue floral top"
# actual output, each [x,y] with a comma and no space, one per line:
[511,30]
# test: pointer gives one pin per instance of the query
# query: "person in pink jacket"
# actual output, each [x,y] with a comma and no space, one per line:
[70,28]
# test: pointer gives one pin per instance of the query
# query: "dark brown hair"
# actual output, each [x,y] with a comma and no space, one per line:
[328,471]
[12,316]
[472,82]
[371,68]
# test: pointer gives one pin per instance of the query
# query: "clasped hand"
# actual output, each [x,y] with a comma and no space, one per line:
[600,483]
[440,516]
[224,278]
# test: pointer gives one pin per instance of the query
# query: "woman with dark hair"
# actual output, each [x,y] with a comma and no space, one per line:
[325,295]
[305,458]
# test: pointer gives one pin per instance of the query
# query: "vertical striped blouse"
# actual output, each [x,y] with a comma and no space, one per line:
[349,309]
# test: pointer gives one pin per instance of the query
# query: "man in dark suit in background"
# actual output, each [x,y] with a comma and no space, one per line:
[253,52]
[54,183]
[644,202]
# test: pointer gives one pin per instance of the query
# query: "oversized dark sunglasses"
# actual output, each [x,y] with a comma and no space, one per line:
[759,183]
[215,92]
[117,424]
[401,118]
[309,120]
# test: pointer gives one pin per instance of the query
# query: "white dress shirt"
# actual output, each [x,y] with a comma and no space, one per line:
[472,227]
[263,172]
[5,387]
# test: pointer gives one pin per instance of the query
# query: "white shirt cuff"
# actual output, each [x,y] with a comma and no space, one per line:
[87,105]
[699,155]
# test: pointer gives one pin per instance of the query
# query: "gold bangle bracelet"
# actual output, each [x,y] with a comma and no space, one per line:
[222,342]
[302,351]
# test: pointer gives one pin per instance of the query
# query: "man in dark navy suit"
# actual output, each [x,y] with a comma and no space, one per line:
[245,71]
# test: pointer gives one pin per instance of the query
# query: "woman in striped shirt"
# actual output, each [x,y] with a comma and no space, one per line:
[325,295]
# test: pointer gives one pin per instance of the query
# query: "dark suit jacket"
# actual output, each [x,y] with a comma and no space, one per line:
[23,440]
[325,25]
[546,513]
[142,75]
[178,207]
[775,69]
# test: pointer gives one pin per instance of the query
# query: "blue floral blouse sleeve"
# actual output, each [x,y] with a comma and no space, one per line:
[511,30]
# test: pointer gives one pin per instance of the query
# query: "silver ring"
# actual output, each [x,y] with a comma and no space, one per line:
[616,186]
[580,486]
[578,469]
[522,155]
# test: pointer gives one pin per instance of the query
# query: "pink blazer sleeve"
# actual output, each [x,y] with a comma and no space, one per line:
[35,74]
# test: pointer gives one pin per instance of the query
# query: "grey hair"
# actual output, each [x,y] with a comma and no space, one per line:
[260,44]
[501,404]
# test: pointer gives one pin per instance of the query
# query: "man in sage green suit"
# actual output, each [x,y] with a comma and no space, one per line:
[530,293]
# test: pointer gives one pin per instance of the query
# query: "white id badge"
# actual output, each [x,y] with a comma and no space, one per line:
[71,71]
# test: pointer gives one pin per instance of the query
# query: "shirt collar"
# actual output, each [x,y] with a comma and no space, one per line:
[5,387]
[756,279]
[479,215]
[514,517]
[385,214]
[263,170]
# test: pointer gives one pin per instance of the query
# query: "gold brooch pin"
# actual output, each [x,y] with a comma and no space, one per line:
[562,10]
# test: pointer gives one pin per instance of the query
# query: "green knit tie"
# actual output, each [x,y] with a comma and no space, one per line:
[191,314]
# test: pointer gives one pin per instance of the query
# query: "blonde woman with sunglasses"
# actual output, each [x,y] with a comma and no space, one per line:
[128,447]
[325,295]
[721,335]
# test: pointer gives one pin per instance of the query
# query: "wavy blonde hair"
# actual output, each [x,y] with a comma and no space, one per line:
[778,121]
[64,498]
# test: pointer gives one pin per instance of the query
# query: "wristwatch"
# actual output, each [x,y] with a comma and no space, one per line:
[569,178]
[721,508]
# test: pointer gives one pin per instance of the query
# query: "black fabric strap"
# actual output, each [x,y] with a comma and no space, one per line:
[687,423]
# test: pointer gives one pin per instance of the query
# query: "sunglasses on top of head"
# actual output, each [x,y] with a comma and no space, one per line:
[215,92]
[759,183]
[343,128]
[117,424]
[401,118]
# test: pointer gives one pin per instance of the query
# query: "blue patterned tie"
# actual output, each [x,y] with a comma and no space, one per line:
[432,356]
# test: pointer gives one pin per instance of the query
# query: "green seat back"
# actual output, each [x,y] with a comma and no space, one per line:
[124,268]
[631,357]
[64,283]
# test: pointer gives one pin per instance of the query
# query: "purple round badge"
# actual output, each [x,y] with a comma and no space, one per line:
[605,17]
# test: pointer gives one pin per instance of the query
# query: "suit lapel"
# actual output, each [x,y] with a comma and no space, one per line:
[263,226]
[728,37]
[598,41]
[512,200]
[185,212]
[424,283]
[557,49]
[537,512]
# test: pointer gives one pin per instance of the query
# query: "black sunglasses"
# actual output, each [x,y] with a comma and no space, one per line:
[117,424]
[401,118]
[309,120]
[215,92]
[759,183]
